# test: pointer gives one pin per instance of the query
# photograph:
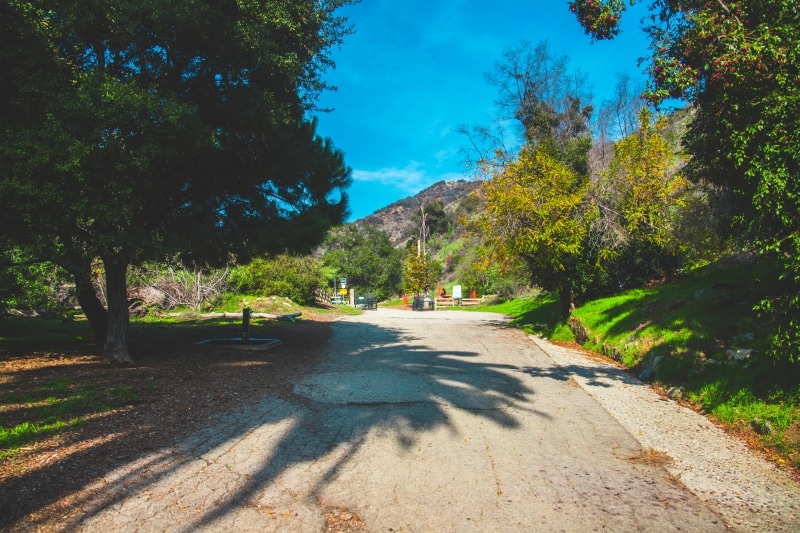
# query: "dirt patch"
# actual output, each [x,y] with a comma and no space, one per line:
[342,521]
[174,388]
[652,457]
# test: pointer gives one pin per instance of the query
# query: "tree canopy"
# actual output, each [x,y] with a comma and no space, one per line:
[736,62]
[535,200]
[534,212]
[365,256]
[130,129]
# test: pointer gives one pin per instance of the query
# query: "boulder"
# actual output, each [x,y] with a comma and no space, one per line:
[761,427]
[676,393]
[739,355]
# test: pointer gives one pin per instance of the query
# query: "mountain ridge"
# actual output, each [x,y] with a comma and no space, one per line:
[395,218]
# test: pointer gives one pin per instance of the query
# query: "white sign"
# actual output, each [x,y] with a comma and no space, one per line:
[456,292]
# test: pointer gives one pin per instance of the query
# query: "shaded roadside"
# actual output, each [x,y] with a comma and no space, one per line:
[173,390]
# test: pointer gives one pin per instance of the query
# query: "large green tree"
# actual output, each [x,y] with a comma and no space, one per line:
[365,256]
[133,128]
[640,198]
[737,62]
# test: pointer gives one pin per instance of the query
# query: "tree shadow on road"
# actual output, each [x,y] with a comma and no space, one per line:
[378,379]
[595,376]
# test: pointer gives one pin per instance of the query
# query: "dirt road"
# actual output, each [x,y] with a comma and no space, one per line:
[416,422]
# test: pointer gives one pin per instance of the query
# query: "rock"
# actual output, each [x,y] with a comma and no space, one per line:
[676,393]
[698,295]
[739,355]
[646,374]
[578,330]
[616,355]
[762,428]
[657,360]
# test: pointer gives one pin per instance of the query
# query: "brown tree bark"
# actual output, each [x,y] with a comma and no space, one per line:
[95,313]
[115,348]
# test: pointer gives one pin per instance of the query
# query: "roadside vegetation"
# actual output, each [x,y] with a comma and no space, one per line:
[709,343]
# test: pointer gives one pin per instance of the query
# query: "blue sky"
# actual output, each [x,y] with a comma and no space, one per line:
[415,70]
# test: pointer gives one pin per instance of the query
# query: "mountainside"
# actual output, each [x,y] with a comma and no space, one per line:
[395,219]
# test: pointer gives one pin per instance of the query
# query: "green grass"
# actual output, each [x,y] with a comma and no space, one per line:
[684,318]
[46,332]
[538,315]
[34,409]
[11,439]
[58,404]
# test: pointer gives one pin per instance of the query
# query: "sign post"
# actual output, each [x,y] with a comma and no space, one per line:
[457,294]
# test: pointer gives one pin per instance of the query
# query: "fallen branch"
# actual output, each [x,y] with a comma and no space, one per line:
[286,316]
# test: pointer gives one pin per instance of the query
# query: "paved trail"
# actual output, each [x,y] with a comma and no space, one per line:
[415,422]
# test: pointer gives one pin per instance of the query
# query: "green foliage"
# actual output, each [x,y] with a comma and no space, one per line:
[29,284]
[365,256]
[294,277]
[640,200]
[736,62]
[600,18]
[128,133]
[534,212]
[436,220]
[420,274]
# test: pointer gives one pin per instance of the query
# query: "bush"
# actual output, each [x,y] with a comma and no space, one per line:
[293,277]
[26,284]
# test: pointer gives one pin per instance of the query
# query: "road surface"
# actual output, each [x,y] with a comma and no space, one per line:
[414,422]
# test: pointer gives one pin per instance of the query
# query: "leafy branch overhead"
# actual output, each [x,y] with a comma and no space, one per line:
[736,62]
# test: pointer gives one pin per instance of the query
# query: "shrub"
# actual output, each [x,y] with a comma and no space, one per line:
[290,276]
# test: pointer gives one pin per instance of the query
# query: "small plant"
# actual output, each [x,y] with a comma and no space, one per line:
[124,392]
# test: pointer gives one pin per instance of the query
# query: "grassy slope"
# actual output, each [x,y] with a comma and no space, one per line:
[689,324]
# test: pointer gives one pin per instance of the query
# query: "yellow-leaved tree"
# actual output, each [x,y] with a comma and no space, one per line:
[640,198]
[536,212]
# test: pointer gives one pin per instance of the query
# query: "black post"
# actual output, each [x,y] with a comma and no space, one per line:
[246,324]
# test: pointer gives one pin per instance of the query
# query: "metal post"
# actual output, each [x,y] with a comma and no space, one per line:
[246,324]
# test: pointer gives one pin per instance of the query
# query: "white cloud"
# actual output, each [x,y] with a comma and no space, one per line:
[411,179]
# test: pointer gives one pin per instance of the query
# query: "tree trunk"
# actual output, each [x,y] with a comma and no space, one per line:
[566,297]
[115,348]
[91,305]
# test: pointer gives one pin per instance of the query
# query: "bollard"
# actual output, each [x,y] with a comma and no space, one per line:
[246,324]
